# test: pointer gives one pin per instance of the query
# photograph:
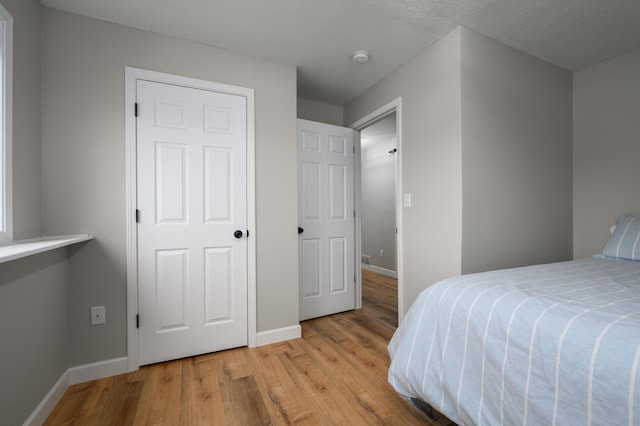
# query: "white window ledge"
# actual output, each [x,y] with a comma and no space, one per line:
[23,248]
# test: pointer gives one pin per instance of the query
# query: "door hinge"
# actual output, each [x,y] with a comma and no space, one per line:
[247,233]
[137,216]
[354,214]
[137,321]
[135,109]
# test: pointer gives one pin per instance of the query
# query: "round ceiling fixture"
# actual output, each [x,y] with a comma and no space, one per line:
[360,57]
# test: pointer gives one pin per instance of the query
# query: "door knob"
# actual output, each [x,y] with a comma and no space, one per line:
[238,234]
[300,230]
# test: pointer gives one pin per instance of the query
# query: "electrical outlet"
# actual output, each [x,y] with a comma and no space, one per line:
[381,253]
[98,315]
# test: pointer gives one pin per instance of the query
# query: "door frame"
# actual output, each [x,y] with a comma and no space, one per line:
[132,75]
[391,107]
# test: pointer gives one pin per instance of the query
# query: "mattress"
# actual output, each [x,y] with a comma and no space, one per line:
[539,345]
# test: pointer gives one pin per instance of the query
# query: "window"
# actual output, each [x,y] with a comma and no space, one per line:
[6,65]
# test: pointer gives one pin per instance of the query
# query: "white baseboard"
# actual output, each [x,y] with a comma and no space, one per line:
[381,271]
[97,370]
[278,335]
[46,406]
[72,376]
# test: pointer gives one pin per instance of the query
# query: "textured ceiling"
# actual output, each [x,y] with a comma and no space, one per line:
[319,36]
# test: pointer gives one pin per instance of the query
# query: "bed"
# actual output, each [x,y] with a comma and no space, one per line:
[539,345]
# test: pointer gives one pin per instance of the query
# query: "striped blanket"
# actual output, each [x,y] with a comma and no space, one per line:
[555,344]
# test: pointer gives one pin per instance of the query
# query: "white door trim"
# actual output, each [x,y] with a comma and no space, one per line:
[131,76]
[395,105]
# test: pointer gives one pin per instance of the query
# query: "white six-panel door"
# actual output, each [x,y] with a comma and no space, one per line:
[326,219]
[191,179]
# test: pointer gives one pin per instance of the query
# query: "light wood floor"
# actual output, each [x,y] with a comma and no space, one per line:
[336,374]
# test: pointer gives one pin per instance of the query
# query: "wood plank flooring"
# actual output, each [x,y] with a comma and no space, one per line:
[336,374]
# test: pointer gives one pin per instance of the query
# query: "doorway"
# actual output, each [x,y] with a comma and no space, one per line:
[379,162]
[378,154]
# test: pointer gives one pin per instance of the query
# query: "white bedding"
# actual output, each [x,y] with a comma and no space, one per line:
[541,345]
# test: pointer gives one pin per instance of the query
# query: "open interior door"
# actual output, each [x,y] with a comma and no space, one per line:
[326,219]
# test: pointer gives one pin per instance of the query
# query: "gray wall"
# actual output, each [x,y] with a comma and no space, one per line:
[431,149]
[33,331]
[606,144]
[33,291]
[516,158]
[378,192]
[84,165]
[320,111]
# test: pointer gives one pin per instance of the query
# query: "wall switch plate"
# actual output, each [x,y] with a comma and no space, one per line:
[98,315]
[407,200]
